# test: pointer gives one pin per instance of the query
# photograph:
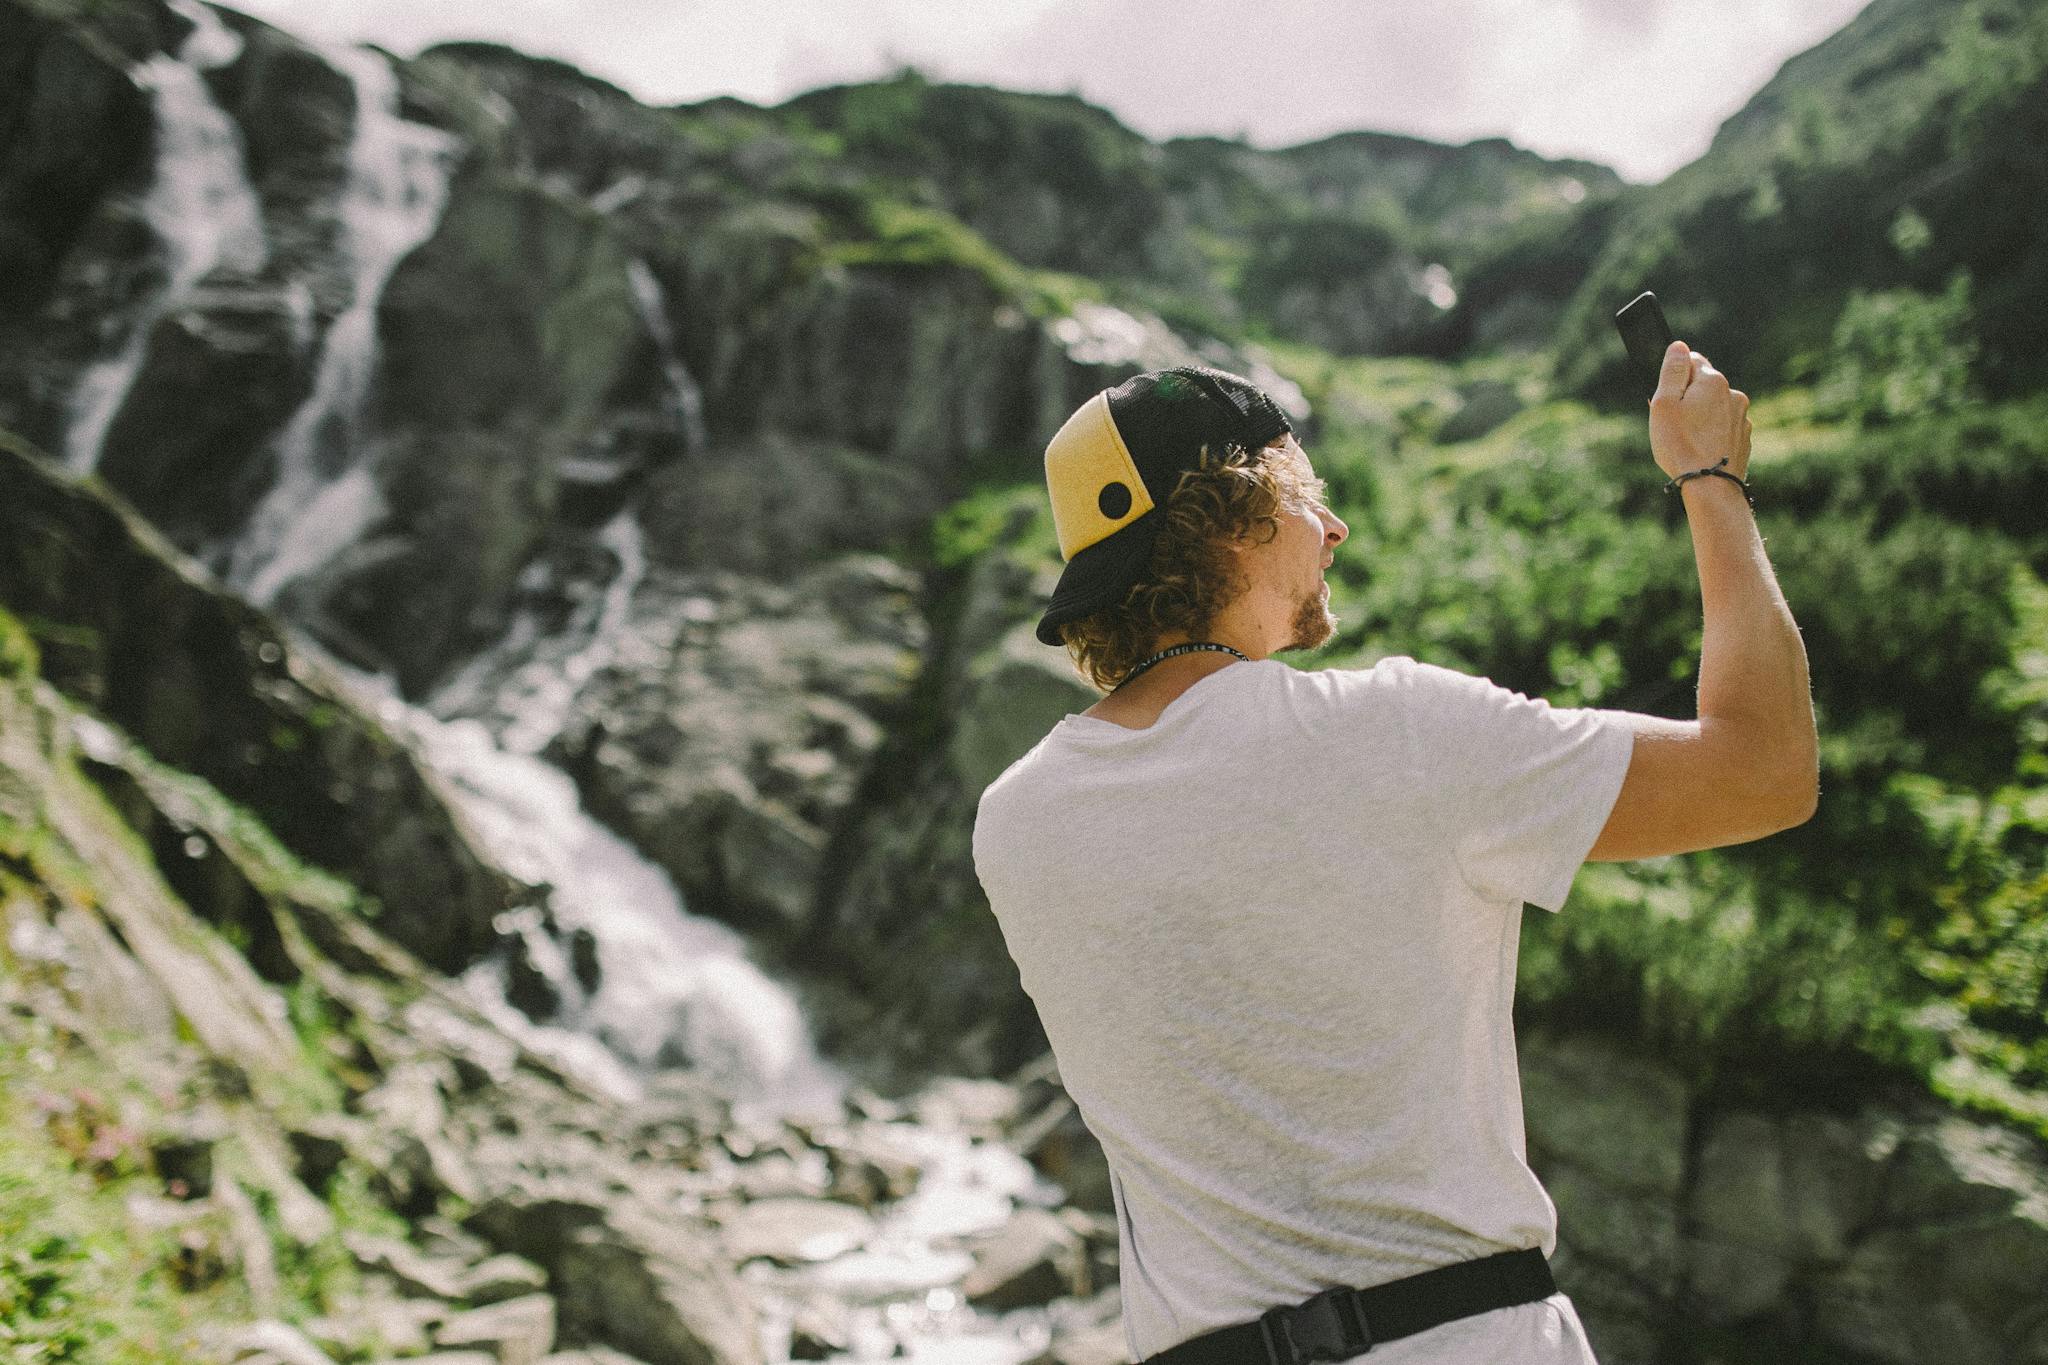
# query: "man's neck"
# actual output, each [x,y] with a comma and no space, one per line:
[1220,632]
[1140,702]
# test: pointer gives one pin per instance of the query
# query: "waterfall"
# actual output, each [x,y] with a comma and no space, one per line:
[686,399]
[324,498]
[678,991]
[675,989]
[532,682]
[200,206]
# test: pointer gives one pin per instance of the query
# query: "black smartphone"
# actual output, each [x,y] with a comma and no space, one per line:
[1645,333]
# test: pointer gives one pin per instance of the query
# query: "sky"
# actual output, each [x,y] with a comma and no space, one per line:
[1638,85]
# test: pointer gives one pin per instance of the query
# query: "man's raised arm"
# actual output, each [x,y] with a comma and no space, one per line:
[1749,766]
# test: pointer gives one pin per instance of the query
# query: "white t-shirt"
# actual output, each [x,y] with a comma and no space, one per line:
[1272,940]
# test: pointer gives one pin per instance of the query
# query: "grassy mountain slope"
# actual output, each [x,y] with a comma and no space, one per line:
[1898,155]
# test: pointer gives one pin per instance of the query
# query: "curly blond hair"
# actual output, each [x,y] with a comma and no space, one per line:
[1191,575]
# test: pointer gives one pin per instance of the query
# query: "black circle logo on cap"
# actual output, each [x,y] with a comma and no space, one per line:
[1114,500]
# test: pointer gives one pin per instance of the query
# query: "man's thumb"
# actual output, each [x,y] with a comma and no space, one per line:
[1676,373]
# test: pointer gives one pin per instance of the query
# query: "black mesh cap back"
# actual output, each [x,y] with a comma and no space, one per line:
[1167,416]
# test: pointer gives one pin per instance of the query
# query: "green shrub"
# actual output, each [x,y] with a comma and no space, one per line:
[909,234]
[1898,354]
[992,517]
[78,1281]
[18,654]
[1752,1000]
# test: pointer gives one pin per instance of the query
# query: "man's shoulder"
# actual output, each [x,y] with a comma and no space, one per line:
[1004,817]
[1343,686]
[1011,785]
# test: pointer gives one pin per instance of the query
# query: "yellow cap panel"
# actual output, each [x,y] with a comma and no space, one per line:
[1092,479]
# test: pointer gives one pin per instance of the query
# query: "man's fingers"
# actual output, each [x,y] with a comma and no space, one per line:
[1676,372]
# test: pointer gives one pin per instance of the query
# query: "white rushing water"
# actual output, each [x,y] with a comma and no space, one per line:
[200,206]
[675,989]
[323,498]
[686,399]
[524,686]
[900,1282]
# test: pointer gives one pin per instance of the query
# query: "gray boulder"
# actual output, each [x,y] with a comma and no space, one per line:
[730,754]
[1033,1260]
[1894,1233]
[515,1332]
[652,1287]
[794,1231]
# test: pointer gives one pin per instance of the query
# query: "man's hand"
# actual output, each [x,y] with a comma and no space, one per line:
[1695,418]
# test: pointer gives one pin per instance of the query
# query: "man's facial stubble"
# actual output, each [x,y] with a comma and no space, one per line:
[1313,625]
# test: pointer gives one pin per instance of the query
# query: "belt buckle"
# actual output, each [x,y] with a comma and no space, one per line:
[1327,1327]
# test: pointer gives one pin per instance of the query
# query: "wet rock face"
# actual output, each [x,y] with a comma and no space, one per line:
[919,366]
[903,917]
[517,312]
[544,118]
[296,114]
[73,127]
[223,369]
[770,505]
[730,742]
[205,683]
[182,456]
[504,339]
[75,131]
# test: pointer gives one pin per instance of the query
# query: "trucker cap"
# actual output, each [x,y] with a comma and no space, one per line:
[1115,462]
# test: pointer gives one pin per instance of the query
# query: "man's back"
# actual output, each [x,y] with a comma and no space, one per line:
[1272,939]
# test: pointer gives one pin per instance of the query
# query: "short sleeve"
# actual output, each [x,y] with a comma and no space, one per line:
[1522,788]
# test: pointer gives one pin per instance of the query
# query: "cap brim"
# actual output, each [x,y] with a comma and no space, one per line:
[1100,575]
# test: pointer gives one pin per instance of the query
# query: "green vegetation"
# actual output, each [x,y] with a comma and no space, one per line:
[1897,354]
[1900,153]
[18,655]
[80,1278]
[1010,515]
[1054,182]
[78,1281]
[86,1096]
[1903,932]
[906,234]
[1317,252]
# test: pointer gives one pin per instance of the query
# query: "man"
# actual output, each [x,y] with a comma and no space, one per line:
[1269,917]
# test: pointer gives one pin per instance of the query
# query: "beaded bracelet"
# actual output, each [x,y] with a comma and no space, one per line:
[1715,469]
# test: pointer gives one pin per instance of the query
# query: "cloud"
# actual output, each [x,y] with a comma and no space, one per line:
[1639,85]
[1284,72]
[1626,23]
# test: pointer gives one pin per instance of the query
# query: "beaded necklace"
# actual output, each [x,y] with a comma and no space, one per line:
[1189,648]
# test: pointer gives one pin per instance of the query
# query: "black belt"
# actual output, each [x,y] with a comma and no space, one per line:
[1340,1323]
